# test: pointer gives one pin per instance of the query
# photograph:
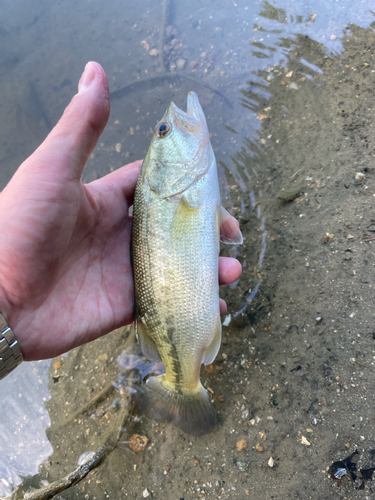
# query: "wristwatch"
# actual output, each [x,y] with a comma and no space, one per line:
[10,352]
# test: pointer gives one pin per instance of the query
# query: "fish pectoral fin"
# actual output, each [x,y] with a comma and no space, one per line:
[184,220]
[192,412]
[230,232]
[212,350]
[147,345]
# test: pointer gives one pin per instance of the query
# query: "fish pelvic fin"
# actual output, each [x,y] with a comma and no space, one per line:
[212,350]
[191,412]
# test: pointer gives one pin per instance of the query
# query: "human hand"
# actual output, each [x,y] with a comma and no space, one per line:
[65,269]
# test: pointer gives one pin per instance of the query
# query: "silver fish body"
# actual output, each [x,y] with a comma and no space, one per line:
[176,234]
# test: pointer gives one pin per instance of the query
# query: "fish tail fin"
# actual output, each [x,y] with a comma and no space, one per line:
[193,413]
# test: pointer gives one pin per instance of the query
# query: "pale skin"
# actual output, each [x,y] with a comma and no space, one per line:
[65,271]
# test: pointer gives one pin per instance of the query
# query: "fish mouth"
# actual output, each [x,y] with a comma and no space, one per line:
[193,117]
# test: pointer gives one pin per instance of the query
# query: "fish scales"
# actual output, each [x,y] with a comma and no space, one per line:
[176,220]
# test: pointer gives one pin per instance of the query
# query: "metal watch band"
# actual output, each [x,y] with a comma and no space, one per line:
[10,352]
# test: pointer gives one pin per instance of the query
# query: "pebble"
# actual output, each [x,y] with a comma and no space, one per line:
[180,63]
[242,465]
[145,493]
[271,462]
[227,320]
[118,147]
[138,443]
[305,441]
[145,45]
[359,176]
[102,357]
[241,445]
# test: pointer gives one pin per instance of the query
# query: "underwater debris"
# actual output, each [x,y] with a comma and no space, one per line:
[357,466]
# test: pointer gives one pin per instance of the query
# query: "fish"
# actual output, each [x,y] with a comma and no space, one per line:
[177,215]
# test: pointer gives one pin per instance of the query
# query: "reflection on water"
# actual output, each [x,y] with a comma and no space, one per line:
[250,63]
[24,444]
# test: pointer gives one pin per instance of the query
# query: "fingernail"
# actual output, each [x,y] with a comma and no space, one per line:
[86,79]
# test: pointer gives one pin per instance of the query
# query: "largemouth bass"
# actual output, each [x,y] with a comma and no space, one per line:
[176,233]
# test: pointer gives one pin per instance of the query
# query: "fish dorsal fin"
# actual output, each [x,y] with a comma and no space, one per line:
[230,232]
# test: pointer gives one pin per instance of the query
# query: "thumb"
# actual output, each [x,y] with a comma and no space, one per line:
[70,143]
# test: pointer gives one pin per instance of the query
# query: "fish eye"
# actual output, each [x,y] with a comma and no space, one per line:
[163,129]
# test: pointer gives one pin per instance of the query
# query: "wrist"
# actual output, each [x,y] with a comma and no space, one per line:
[10,352]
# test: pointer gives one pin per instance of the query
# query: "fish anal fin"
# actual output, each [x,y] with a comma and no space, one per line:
[192,412]
[230,232]
[212,350]
[147,345]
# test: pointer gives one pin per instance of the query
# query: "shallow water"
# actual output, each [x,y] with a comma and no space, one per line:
[287,88]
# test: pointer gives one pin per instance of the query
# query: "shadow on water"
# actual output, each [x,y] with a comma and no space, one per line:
[279,89]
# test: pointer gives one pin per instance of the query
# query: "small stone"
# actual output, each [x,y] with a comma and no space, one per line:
[333,37]
[242,465]
[192,64]
[241,445]
[154,52]
[180,63]
[271,462]
[118,147]
[167,49]
[350,237]
[145,45]
[227,320]
[289,75]
[305,441]
[102,357]
[138,443]
[258,447]
[203,55]
[176,44]
[359,176]
[209,368]
[145,493]
[293,86]
[57,365]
